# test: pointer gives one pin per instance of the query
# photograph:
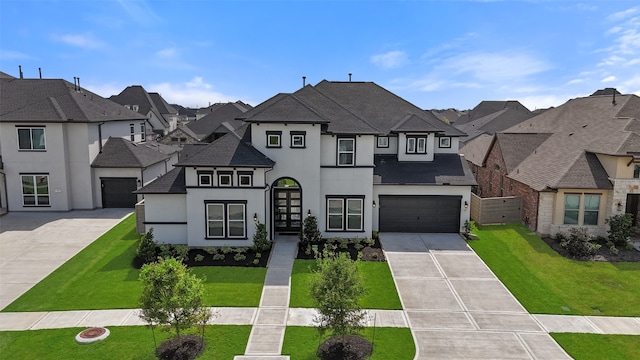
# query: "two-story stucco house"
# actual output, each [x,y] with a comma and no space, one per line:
[353,154]
[50,133]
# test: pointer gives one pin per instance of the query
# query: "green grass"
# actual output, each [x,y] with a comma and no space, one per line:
[301,343]
[547,283]
[597,346]
[102,277]
[131,342]
[381,290]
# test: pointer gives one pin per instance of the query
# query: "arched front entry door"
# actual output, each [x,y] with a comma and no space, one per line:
[287,206]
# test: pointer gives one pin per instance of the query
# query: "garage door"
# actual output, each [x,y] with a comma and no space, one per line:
[432,214]
[118,192]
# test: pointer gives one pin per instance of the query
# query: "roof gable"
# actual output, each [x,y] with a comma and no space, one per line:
[208,124]
[122,153]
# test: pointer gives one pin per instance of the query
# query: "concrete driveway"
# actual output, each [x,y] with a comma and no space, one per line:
[33,244]
[456,307]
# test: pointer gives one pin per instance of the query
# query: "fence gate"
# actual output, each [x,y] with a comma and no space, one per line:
[496,210]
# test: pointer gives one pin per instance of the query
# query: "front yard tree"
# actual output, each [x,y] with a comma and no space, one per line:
[336,288]
[172,296]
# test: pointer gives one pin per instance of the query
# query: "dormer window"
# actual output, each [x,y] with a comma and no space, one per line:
[298,139]
[205,178]
[445,142]
[416,144]
[135,107]
[225,179]
[245,178]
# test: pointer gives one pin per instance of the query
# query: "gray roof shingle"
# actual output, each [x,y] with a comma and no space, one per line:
[173,182]
[212,122]
[122,153]
[445,169]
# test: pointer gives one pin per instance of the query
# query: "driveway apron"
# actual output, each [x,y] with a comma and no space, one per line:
[34,244]
[456,307]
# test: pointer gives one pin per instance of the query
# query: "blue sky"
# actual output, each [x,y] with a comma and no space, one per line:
[436,54]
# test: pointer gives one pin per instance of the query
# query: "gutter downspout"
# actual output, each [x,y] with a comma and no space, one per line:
[267,188]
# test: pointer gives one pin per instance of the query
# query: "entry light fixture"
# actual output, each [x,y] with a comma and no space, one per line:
[255,217]
[466,204]
[308,212]
[374,203]
[619,206]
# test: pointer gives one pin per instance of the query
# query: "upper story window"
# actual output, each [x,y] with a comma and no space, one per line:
[346,151]
[445,142]
[205,178]
[35,190]
[225,178]
[132,131]
[274,139]
[143,132]
[416,144]
[31,138]
[298,139]
[636,171]
[245,178]
[383,142]
[135,107]
[587,205]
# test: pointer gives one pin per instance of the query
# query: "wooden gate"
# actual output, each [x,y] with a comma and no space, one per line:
[496,210]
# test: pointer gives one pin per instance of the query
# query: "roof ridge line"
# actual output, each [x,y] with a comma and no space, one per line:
[348,110]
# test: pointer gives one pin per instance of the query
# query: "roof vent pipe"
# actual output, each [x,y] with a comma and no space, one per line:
[613,102]
[20,71]
[79,88]
[304,81]
[75,84]
[349,77]
[40,71]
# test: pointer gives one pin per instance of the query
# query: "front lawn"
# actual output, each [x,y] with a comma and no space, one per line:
[388,343]
[127,342]
[381,290]
[547,283]
[102,277]
[598,346]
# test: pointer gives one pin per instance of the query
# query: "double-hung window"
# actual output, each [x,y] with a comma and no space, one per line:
[591,209]
[31,138]
[416,145]
[298,139]
[587,205]
[226,220]
[571,208]
[132,131]
[346,151]
[35,189]
[143,132]
[344,214]
[274,139]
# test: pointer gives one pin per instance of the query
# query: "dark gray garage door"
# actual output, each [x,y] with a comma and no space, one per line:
[118,192]
[432,214]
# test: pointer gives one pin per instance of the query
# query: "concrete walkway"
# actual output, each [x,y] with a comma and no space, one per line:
[453,303]
[33,244]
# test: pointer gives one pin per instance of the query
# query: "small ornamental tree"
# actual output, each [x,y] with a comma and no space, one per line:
[260,238]
[172,296]
[147,248]
[310,233]
[336,288]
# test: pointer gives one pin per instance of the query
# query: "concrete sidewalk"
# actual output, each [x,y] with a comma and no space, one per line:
[34,244]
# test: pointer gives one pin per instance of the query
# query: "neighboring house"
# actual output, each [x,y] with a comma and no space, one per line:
[136,98]
[574,165]
[184,114]
[495,122]
[122,167]
[50,133]
[353,154]
[202,112]
[208,128]
[486,107]
[450,116]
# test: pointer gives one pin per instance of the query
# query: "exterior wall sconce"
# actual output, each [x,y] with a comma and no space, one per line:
[619,206]
[255,217]
[374,203]
[466,204]
[308,212]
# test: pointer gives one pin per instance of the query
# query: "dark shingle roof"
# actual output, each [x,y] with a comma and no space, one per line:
[212,122]
[172,182]
[121,153]
[517,147]
[495,122]
[444,169]
[233,149]
[137,95]
[56,100]
[606,91]
[487,107]
[162,105]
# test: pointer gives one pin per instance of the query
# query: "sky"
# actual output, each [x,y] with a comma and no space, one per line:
[435,54]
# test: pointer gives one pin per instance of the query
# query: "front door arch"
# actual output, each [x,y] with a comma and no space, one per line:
[287,206]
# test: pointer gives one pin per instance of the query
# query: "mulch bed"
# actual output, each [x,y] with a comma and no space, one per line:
[228,259]
[369,253]
[349,347]
[602,254]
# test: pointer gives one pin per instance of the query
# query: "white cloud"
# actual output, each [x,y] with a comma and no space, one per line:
[167,53]
[495,67]
[140,11]
[391,59]
[621,15]
[608,79]
[193,93]
[575,81]
[13,55]
[86,41]
[534,102]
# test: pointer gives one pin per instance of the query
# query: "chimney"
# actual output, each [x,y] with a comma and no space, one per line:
[613,102]
[20,70]
[304,81]
[349,77]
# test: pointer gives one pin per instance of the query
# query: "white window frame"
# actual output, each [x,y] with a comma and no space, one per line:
[31,138]
[411,145]
[297,140]
[277,135]
[416,144]
[225,175]
[132,131]
[348,214]
[37,197]
[143,132]
[383,142]
[242,176]
[226,221]
[352,152]
[208,176]
[444,142]
[340,214]
[421,145]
